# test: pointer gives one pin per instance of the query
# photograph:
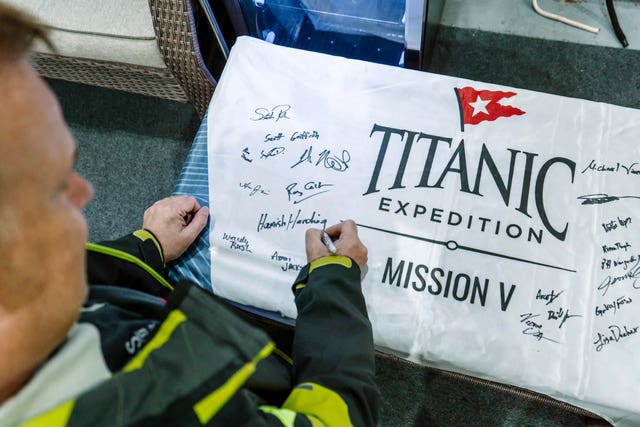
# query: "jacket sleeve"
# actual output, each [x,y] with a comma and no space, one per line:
[333,356]
[193,368]
[133,261]
[333,353]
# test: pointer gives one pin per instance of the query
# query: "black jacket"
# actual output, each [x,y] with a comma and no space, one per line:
[179,357]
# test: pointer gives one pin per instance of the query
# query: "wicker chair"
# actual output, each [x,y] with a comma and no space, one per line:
[186,78]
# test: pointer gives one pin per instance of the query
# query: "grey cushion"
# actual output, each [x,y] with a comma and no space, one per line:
[112,30]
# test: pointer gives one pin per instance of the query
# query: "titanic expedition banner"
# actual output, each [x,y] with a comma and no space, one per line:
[502,224]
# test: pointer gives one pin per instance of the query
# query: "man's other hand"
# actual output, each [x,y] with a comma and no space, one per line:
[176,222]
[345,238]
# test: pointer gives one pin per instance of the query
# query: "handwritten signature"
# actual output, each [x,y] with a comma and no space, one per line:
[237,243]
[276,113]
[600,198]
[615,223]
[613,305]
[245,155]
[614,334]
[633,273]
[629,169]
[560,314]
[254,189]
[617,246]
[339,163]
[549,298]
[270,138]
[607,263]
[534,329]
[297,136]
[287,264]
[308,190]
[271,153]
[266,222]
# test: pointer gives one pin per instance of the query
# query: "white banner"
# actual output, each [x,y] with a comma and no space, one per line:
[501,223]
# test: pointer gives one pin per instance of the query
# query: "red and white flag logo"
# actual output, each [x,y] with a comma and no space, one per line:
[483,105]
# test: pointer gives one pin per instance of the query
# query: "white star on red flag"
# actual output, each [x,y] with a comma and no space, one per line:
[480,106]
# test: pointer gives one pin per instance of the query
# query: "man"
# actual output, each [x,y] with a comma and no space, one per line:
[142,351]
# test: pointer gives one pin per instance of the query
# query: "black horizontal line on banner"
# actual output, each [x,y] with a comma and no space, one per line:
[452,245]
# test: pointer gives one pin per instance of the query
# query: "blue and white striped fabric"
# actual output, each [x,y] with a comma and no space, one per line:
[195,264]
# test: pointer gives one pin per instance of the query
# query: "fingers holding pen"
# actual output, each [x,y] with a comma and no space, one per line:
[314,245]
[346,241]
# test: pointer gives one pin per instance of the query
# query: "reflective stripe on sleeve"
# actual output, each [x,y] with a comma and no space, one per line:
[145,235]
[175,318]
[320,402]
[105,250]
[208,407]
[286,416]
[330,260]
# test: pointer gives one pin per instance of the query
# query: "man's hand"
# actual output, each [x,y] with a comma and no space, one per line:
[345,237]
[176,222]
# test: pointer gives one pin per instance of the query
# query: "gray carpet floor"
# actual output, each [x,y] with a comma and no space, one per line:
[132,149]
